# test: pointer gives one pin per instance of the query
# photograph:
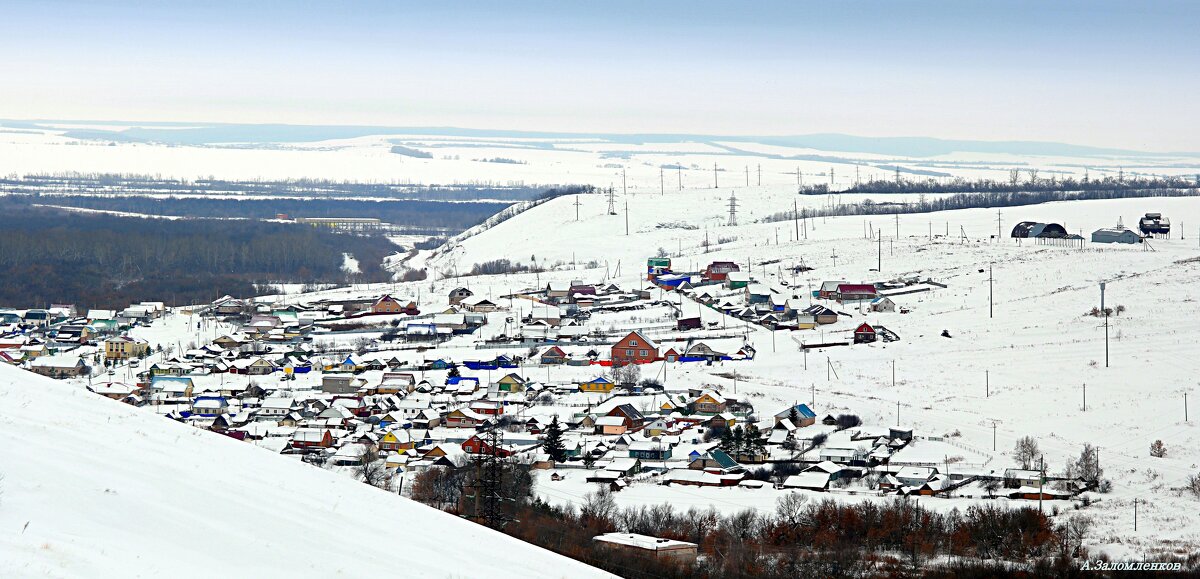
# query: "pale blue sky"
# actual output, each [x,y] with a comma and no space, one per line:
[1120,74]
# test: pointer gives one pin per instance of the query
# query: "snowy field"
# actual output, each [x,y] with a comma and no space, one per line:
[151,494]
[462,160]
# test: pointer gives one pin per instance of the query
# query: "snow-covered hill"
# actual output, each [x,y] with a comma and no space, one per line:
[1019,372]
[94,488]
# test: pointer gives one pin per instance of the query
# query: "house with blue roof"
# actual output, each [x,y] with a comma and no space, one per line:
[803,416]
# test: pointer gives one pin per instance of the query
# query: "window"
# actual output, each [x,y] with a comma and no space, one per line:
[641,352]
[633,342]
[628,352]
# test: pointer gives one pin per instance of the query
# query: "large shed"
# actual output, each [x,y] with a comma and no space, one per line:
[1034,229]
[1115,235]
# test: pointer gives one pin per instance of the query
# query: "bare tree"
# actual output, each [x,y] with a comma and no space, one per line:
[627,374]
[373,470]
[598,506]
[1026,452]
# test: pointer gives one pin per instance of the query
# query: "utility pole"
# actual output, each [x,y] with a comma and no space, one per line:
[1085,396]
[993,436]
[1041,479]
[897,413]
[796,217]
[747,175]
[760,174]
[1105,312]
[1185,416]
[879,256]
[991,311]
[679,174]
[987,384]
[577,208]
[624,188]
[714,174]
[897,226]
[1135,502]
[662,184]
[998,235]
[893,373]
[626,216]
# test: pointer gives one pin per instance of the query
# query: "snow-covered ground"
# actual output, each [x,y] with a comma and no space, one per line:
[96,488]
[459,160]
[1035,353]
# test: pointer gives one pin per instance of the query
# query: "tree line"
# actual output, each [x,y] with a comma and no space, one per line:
[96,260]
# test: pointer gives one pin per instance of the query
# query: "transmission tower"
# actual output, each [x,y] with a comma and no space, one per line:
[488,492]
[732,208]
[612,200]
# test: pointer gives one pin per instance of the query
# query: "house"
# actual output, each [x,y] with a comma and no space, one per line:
[479,304]
[634,419]
[702,350]
[396,383]
[552,356]
[387,304]
[457,295]
[656,266]
[685,324]
[812,480]
[855,292]
[883,304]
[477,445]
[715,460]
[828,289]
[838,455]
[864,334]
[511,383]
[634,348]
[650,450]
[171,387]
[599,384]
[465,418]
[550,315]
[558,289]
[652,547]
[720,270]
[210,406]
[611,425]
[671,355]
[312,438]
[758,293]
[710,403]
[124,348]
[822,314]
[737,280]
[804,416]
[339,384]
[61,366]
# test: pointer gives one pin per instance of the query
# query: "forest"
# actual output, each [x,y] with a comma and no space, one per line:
[103,261]
[961,194]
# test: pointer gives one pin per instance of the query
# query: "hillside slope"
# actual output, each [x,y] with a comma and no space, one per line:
[95,488]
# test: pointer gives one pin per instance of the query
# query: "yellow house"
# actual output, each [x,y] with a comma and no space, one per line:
[398,443]
[600,384]
[511,383]
[124,347]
